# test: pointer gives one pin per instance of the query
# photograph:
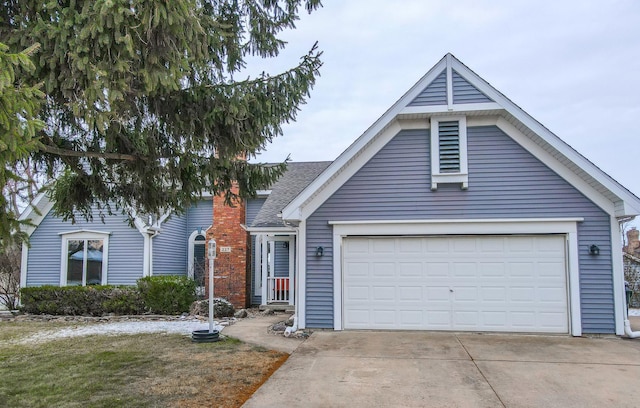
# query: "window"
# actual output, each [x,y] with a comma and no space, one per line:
[84,258]
[449,151]
[197,259]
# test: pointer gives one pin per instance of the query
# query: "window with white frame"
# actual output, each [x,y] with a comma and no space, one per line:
[84,258]
[197,259]
[449,151]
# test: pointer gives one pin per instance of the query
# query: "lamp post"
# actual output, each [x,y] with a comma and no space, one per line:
[212,257]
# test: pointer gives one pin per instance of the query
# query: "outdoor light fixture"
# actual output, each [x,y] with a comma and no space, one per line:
[594,250]
[319,251]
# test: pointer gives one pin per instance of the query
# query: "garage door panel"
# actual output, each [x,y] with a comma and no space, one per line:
[435,269]
[496,283]
[492,269]
[407,269]
[357,269]
[410,294]
[384,293]
[464,269]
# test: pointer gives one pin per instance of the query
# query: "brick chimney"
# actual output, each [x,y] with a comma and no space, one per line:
[633,241]
[230,268]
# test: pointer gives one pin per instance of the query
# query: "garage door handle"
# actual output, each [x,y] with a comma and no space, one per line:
[451,290]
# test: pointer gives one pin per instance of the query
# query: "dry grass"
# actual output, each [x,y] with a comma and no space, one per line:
[145,370]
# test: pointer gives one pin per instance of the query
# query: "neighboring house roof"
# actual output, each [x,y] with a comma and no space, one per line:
[288,186]
[491,106]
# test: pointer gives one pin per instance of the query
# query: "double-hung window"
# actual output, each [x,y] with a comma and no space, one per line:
[84,258]
[449,151]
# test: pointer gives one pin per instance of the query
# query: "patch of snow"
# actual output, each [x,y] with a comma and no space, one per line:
[117,328]
[634,312]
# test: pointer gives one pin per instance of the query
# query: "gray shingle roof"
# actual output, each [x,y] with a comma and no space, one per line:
[289,185]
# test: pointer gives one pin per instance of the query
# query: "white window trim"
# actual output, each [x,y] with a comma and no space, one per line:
[462,176]
[81,235]
[567,226]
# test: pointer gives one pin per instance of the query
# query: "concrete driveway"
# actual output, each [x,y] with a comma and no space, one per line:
[427,369]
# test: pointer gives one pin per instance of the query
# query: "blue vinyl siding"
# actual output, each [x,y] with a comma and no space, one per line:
[281,260]
[505,181]
[251,210]
[124,255]
[464,92]
[126,246]
[434,94]
[171,247]
[199,216]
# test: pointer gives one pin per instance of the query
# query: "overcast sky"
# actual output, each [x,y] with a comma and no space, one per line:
[572,65]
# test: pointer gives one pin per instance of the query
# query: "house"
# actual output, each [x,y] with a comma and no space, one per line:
[114,252]
[455,210]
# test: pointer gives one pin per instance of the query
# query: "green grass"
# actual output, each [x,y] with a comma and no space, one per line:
[13,330]
[123,371]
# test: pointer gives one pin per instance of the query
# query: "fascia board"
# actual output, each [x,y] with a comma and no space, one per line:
[294,210]
[267,230]
[631,202]
[42,205]
[324,189]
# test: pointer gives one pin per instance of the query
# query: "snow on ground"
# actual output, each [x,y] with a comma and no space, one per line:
[634,312]
[181,327]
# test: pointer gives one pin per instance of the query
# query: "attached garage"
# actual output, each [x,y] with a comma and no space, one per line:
[505,283]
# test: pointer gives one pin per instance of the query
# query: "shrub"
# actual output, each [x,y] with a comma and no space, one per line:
[81,300]
[167,294]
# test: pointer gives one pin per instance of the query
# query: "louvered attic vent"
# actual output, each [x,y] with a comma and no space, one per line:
[449,151]
[449,146]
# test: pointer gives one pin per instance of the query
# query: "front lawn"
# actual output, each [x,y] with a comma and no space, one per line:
[142,370]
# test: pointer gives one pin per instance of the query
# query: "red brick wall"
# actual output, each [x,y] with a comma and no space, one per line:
[230,268]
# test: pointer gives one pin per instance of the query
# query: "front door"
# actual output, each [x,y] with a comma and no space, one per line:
[275,259]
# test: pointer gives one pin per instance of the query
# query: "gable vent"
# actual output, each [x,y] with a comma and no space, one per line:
[449,146]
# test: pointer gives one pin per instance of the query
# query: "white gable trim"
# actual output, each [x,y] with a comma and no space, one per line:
[35,212]
[356,155]
[293,211]
[548,160]
[631,202]
[323,188]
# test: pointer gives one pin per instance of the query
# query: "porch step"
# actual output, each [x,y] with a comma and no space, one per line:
[278,307]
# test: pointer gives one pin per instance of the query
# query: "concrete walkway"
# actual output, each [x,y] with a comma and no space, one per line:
[427,369]
[255,330]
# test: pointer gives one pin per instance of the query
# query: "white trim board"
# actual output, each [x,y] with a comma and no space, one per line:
[355,156]
[567,226]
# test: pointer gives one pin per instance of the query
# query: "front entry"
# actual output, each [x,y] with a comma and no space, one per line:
[274,257]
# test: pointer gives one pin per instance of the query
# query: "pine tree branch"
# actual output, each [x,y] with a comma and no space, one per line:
[100,155]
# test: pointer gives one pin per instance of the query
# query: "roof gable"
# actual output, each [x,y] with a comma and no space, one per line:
[288,186]
[451,88]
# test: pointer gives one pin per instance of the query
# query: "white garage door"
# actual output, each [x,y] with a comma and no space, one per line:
[480,283]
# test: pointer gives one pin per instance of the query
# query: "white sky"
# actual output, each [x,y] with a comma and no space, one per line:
[572,65]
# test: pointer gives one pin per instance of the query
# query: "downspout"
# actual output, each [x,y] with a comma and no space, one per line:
[296,280]
[292,329]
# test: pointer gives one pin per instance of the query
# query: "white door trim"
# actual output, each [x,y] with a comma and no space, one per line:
[566,226]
